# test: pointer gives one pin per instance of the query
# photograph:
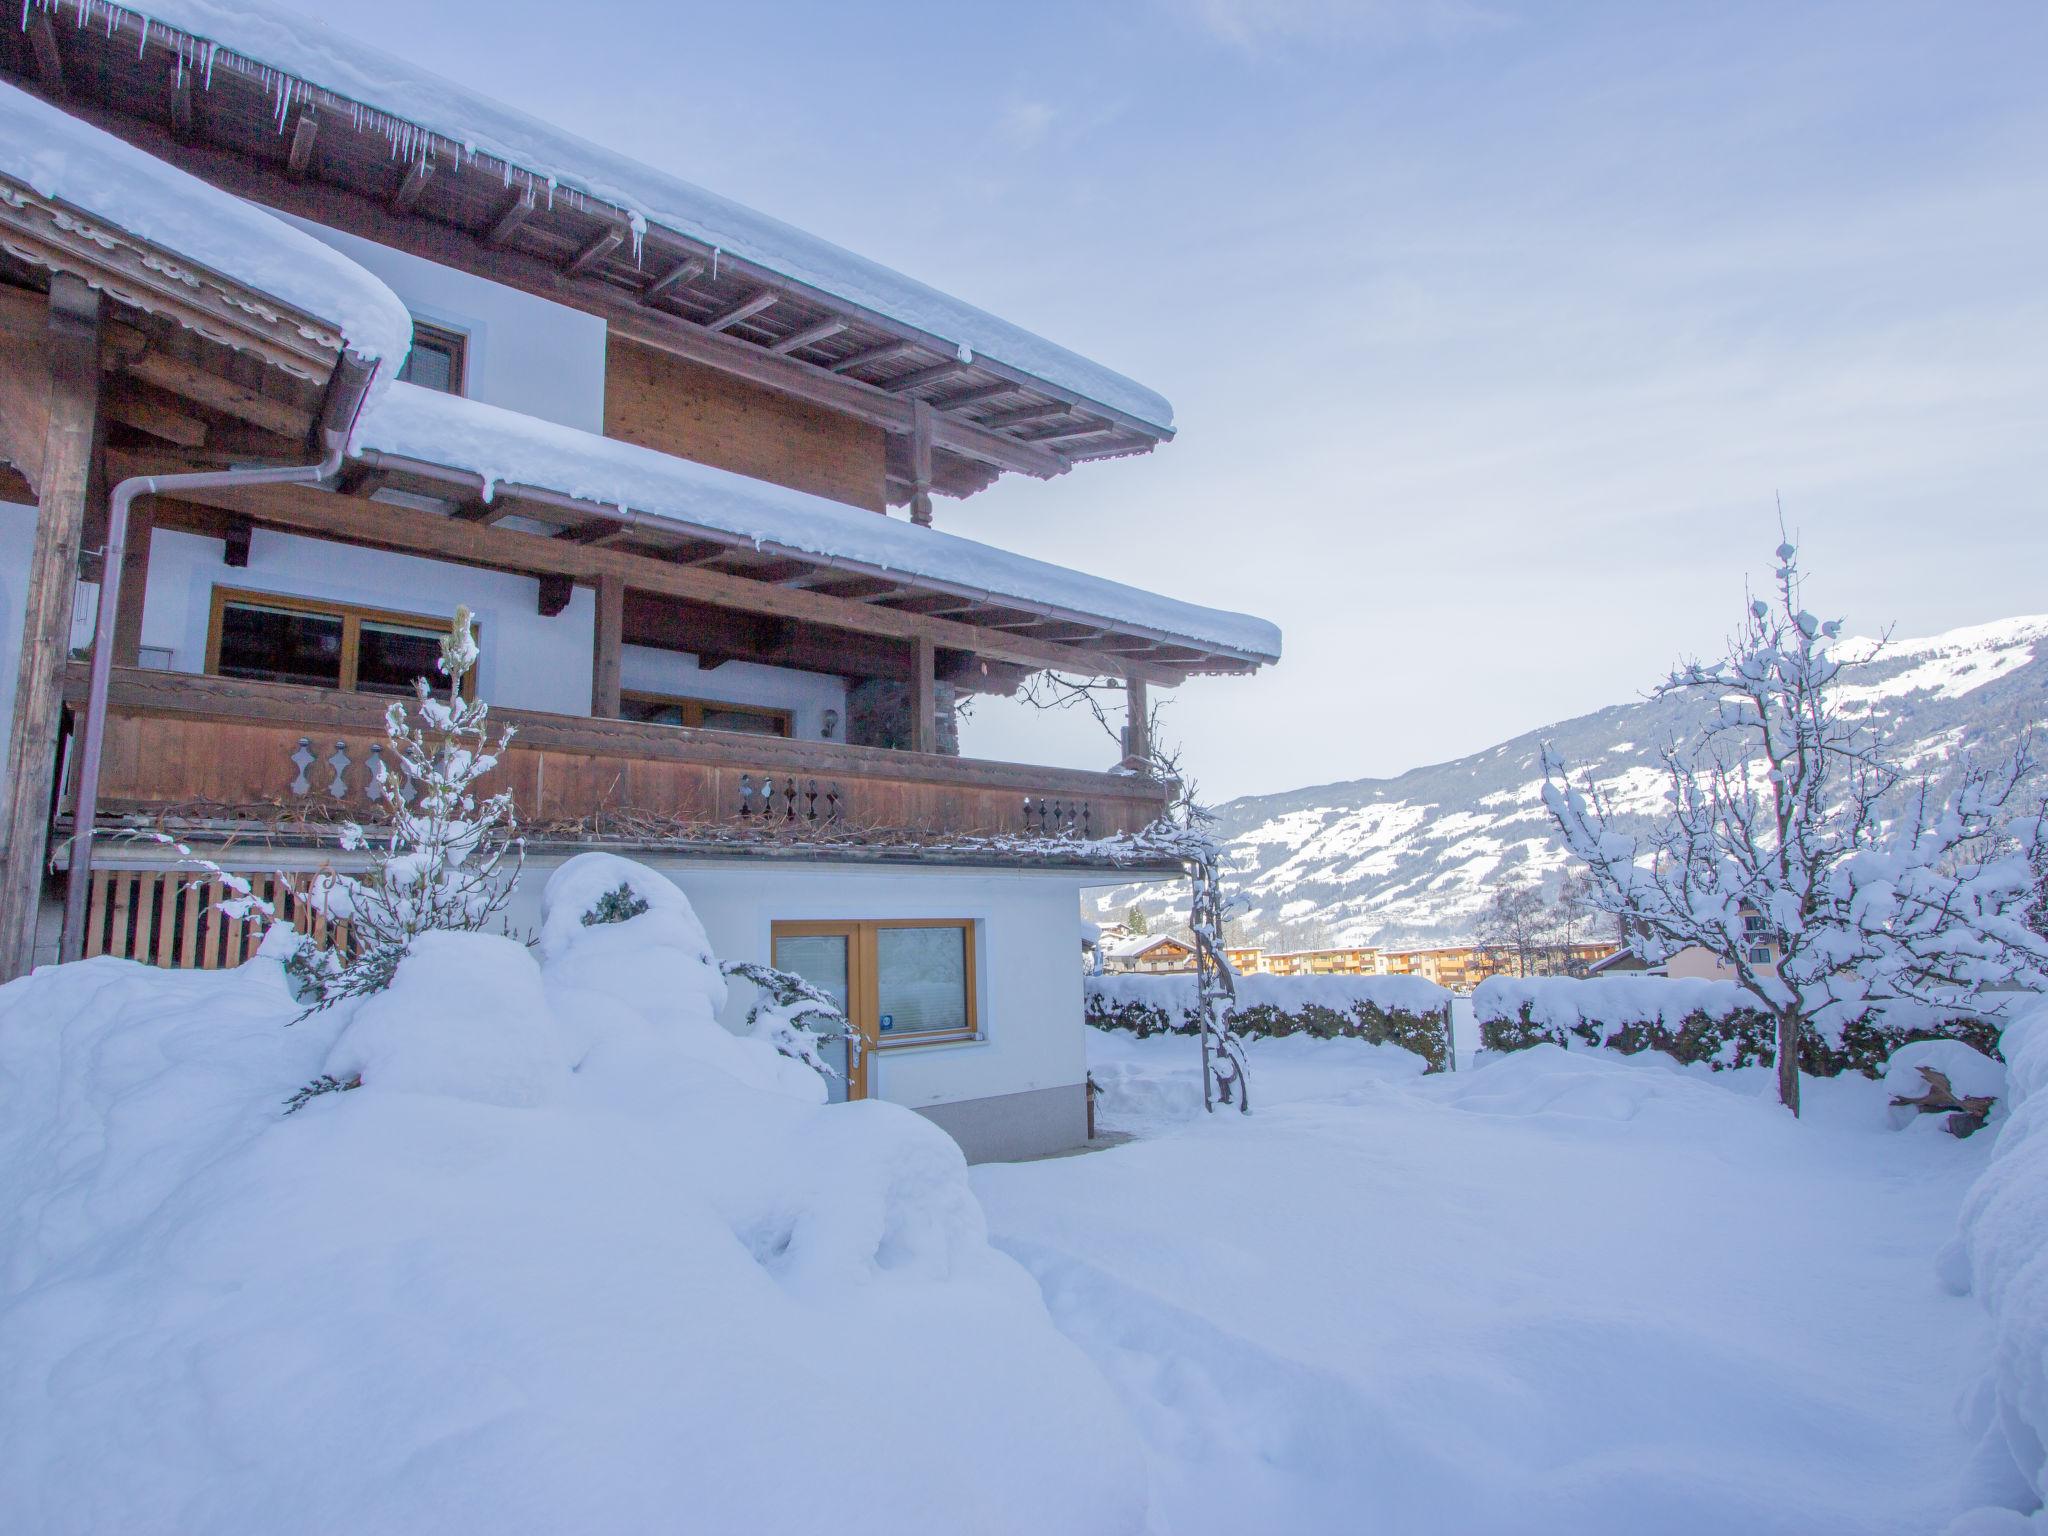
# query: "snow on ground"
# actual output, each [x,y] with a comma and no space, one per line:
[1559,1293]
[573,1258]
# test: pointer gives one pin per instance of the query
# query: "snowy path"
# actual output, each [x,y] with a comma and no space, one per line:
[1557,1294]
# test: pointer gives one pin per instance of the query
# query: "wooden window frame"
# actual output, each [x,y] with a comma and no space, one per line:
[693,709]
[863,981]
[352,615]
[446,339]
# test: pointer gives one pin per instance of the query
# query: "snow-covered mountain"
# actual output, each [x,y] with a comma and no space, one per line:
[1413,859]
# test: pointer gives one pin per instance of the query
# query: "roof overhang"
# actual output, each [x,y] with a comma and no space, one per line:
[296,145]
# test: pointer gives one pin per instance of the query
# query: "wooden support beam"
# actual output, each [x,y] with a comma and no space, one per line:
[595,251]
[681,275]
[517,210]
[924,376]
[921,415]
[379,525]
[305,133]
[1066,430]
[413,186]
[809,336]
[1137,726]
[44,53]
[746,309]
[924,698]
[555,592]
[887,353]
[157,419]
[1024,413]
[237,537]
[134,586]
[71,351]
[605,647]
[211,390]
[974,396]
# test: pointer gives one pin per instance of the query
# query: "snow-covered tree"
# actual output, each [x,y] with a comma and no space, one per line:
[445,858]
[1517,921]
[1788,834]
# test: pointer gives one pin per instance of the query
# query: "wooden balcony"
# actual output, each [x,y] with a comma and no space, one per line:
[219,749]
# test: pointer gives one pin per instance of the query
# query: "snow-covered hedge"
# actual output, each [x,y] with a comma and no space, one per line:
[572,1257]
[1391,1010]
[1716,1022]
[2001,1254]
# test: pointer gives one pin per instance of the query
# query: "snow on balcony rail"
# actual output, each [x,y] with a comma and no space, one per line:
[68,161]
[412,99]
[508,449]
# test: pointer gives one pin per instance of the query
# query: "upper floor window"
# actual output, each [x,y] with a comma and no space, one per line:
[1753,922]
[270,639]
[439,359]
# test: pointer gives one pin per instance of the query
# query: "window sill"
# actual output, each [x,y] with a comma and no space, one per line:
[927,1042]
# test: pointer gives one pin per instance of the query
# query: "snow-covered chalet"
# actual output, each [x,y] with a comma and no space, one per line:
[409,348]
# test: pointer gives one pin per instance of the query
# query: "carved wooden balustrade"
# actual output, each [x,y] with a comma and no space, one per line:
[180,742]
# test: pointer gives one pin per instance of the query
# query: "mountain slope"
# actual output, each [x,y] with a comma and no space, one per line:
[1413,859]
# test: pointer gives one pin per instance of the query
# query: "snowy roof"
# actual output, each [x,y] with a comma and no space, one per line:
[1141,944]
[303,47]
[508,449]
[61,158]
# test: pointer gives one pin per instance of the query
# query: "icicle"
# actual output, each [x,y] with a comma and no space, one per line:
[211,49]
[637,222]
[714,263]
[142,48]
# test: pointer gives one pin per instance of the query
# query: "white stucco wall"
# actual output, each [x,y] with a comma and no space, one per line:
[528,662]
[1028,973]
[524,353]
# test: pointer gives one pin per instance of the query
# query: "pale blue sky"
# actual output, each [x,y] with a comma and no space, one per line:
[1493,329]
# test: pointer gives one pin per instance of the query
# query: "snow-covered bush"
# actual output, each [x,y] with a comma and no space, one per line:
[573,1257]
[2000,1254]
[1719,1023]
[790,1014]
[1393,1010]
[445,861]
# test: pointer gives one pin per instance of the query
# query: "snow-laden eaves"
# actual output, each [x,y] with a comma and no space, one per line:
[507,449]
[306,49]
[68,161]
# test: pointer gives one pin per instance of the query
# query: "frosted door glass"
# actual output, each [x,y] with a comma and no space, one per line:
[922,981]
[821,960]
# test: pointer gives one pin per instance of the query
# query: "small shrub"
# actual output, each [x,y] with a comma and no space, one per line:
[616,906]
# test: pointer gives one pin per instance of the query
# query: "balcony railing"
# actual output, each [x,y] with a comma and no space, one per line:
[221,747]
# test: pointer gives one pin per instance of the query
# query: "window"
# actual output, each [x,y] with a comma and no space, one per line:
[902,982]
[1759,954]
[439,359]
[1752,922]
[271,639]
[704,714]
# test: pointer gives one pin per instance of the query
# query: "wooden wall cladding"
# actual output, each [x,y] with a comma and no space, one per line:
[660,401]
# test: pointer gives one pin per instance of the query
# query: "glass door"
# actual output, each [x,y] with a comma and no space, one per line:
[828,956]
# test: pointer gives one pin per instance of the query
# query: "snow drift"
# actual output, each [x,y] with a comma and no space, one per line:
[2001,1254]
[573,1257]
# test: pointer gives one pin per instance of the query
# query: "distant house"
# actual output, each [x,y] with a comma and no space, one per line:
[1246,960]
[1461,967]
[1153,954]
[1696,962]
[1358,961]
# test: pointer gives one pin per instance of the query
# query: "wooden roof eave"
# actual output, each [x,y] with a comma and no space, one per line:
[623,305]
[54,235]
[1206,656]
